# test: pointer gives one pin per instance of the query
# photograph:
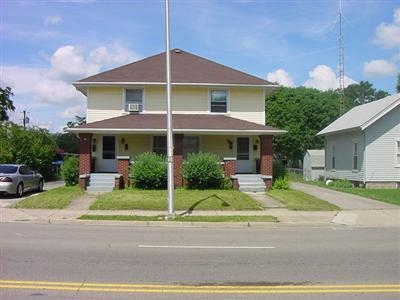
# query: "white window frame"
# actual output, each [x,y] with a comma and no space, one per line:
[397,154]
[125,104]
[355,150]
[210,99]
[333,158]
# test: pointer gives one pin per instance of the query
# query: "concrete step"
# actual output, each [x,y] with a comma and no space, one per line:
[101,182]
[254,189]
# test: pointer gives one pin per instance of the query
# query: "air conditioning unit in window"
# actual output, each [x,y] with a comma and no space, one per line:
[133,107]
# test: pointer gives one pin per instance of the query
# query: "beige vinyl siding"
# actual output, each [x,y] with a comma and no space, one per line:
[344,145]
[243,103]
[247,104]
[104,103]
[218,145]
[381,139]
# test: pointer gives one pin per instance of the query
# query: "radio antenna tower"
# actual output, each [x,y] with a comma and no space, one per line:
[341,62]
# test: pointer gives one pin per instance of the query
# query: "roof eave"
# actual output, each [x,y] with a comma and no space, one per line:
[274,132]
[81,84]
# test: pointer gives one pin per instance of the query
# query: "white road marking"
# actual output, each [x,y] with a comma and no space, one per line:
[205,247]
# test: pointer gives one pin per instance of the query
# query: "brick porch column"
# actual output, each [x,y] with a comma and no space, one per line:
[266,159]
[85,157]
[178,159]
[229,166]
[123,169]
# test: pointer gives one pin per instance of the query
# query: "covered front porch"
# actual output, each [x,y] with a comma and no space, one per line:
[110,146]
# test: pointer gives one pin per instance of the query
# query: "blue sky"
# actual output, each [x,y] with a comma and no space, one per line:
[48,44]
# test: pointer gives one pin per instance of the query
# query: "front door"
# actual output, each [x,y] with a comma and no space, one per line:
[243,162]
[108,161]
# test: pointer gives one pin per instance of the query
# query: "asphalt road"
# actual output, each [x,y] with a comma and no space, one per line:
[86,261]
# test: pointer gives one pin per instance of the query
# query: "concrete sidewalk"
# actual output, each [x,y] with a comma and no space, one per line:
[359,218]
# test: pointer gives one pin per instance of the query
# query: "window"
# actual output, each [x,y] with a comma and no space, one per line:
[333,157]
[398,153]
[134,96]
[355,156]
[160,145]
[219,99]
[190,145]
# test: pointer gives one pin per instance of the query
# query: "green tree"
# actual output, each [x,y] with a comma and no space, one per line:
[32,146]
[398,83]
[361,93]
[6,103]
[68,142]
[303,112]
[78,121]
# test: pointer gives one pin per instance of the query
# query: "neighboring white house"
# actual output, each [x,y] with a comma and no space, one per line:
[363,145]
[314,164]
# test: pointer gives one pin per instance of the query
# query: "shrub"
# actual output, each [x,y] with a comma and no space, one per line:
[281,183]
[202,171]
[278,170]
[149,171]
[70,171]
[226,184]
[342,183]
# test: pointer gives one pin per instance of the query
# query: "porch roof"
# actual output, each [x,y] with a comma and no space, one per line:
[182,123]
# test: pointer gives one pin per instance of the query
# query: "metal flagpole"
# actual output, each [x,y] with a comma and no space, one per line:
[170,143]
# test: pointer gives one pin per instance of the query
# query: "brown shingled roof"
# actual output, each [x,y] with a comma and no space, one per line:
[185,68]
[217,124]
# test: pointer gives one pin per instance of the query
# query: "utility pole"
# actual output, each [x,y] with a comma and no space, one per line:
[170,142]
[341,62]
[25,119]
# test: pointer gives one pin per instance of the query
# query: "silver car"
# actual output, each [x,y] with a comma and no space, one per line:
[17,179]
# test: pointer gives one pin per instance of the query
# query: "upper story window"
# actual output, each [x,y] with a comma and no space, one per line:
[219,100]
[355,156]
[398,153]
[133,100]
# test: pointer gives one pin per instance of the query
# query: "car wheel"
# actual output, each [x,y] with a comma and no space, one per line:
[20,190]
[40,186]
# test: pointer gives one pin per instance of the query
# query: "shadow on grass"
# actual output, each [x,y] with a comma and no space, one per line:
[190,209]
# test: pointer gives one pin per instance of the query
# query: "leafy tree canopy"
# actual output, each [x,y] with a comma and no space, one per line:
[32,146]
[68,142]
[303,112]
[361,93]
[6,103]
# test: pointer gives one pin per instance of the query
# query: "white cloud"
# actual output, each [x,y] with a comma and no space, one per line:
[52,20]
[324,78]
[35,87]
[68,63]
[388,35]
[71,112]
[379,67]
[280,76]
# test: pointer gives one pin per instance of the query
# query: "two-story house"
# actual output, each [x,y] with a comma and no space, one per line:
[215,109]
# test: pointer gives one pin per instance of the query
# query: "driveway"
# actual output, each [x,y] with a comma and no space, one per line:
[344,200]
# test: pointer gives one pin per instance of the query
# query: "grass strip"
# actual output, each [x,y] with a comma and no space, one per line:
[296,200]
[181,218]
[184,200]
[57,198]
[391,196]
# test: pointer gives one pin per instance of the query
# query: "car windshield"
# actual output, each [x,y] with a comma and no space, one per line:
[8,169]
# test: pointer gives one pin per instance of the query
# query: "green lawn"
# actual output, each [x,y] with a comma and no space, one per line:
[184,200]
[296,200]
[182,218]
[385,195]
[57,198]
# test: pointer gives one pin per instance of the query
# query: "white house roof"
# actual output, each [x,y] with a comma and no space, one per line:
[362,116]
[317,157]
